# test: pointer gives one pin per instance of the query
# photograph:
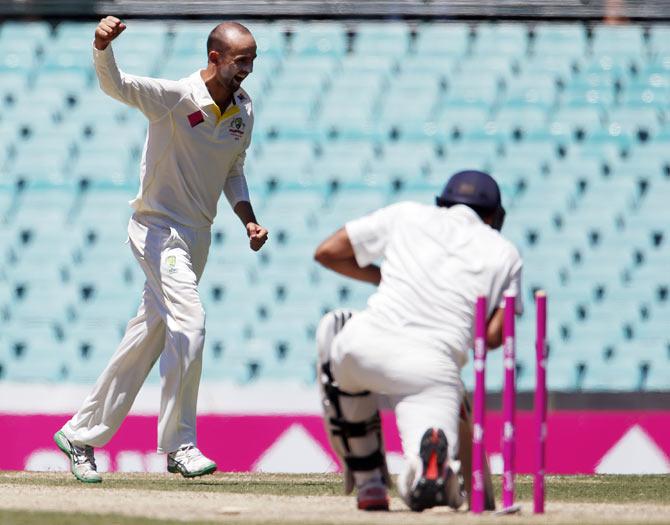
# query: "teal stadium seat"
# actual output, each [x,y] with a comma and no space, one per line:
[533,88]
[567,122]
[142,47]
[559,68]
[437,40]
[42,158]
[348,205]
[350,116]
[357,63]
[460,117]
[502,39]
[284,161]
[320,39]
[611,40]
[559,40]
[40,360]
[442,67]
[219,365]
[618,376]
[499,66]
[20,43]
[658,378]
[405,161]
[518,118]
[86,351]
[189,39]
[647,95]
[583,93]
[69,82]
[410,99]
[480,89]
[637,120]
[13,86]
[343,162]
[71,49]
[270,38]
[384,39]
[658,41]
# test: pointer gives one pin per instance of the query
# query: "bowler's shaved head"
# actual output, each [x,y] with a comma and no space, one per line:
[223,35]
[231,51]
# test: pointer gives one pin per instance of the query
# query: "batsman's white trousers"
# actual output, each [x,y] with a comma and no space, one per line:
[170,324]
[417,379]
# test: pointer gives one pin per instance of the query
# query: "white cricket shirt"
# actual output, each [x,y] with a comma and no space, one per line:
[435,262]
[192,152]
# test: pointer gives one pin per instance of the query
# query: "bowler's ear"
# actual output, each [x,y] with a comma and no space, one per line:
[214,57]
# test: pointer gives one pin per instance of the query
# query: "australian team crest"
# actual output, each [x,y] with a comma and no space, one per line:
[236,128]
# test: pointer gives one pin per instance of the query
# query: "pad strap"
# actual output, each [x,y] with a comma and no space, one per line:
[347,429]
[370,462]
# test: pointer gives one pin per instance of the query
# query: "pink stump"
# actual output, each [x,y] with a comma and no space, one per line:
[540,400]
[478,452]
[509,402]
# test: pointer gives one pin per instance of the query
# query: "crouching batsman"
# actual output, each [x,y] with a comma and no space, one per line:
[406,349]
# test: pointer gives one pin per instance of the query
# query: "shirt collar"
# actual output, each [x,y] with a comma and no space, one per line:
[201,93]
[467,213]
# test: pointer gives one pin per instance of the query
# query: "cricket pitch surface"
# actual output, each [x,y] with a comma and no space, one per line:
[233,498]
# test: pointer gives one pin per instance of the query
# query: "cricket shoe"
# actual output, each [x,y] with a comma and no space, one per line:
[82,460]
[373,495]
[439,483]
[189,462]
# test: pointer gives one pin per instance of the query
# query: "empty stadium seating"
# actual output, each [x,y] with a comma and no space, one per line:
[350,116]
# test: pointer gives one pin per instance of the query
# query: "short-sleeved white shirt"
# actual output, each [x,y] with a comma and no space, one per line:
[435,262]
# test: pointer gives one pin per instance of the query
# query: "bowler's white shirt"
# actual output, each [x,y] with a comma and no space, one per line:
[435,262]
[192,152]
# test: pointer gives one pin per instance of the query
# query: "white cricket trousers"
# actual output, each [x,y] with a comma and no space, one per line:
[417,379]
[170,324]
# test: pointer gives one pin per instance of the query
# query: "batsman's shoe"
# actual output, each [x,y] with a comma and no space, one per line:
[373,495]
[82,460]
[189,462]
[439,483]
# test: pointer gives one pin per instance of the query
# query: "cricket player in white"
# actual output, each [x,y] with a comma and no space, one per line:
[199,130]
[406,349]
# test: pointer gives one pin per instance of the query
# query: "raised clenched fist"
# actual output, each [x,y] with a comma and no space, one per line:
[257,236]
[108,29]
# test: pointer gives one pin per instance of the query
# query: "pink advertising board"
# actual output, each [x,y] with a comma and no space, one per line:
[578,442]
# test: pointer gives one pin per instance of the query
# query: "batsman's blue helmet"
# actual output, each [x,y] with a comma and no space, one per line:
[475,189]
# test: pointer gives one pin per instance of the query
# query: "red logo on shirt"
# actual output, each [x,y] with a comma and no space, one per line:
[196,118]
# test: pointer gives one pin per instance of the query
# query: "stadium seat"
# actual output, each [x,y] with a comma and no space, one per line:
[658,41]
[320,39]
[559,40]
[618,40]
[617,376]
[481,88]
[440,40]
[559,68]
[501,39]
[384,39]
[659,377]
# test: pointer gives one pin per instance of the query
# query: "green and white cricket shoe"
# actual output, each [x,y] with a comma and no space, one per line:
[82,460]
[189,462]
